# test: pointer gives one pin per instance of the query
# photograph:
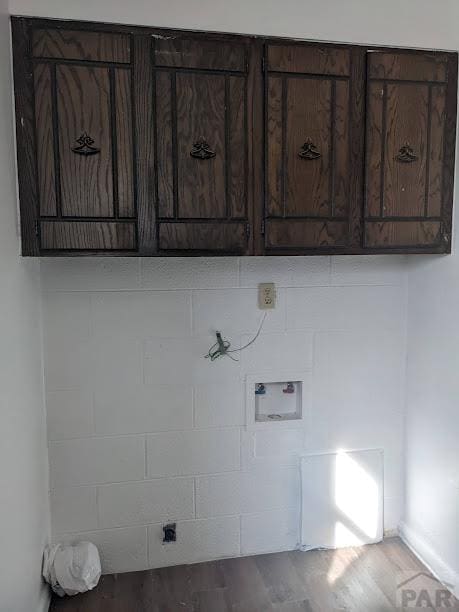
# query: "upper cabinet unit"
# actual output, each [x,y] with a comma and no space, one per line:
[138,141]
[314,150]
[411,121]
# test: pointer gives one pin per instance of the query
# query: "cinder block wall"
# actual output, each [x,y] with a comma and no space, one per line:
[143,429]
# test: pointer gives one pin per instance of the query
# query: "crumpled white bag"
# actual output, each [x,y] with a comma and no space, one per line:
[71,569]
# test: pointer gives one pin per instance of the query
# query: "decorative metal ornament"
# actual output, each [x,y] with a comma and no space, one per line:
[85,147]
[202,150]
[406,154]
[309,150]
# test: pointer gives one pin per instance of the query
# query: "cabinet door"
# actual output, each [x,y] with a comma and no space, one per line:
[82,82]
[314,144]
[201,146]
[411,119]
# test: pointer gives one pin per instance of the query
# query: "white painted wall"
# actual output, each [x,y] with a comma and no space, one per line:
[432,422]
[144,430]
[24,517]
[431,521]
[413,23]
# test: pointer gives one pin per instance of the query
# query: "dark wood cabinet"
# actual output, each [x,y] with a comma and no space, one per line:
[140,141]
[83,122]
[411,120]
[202,145]
[314,105]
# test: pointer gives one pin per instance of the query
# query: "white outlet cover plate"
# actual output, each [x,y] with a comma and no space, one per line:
[266,296]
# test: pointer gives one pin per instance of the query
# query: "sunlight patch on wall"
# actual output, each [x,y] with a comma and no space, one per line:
[357,497]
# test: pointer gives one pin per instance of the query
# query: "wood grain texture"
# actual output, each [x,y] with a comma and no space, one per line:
[256,149]
[45,140]
[25,137]
[236,120]
[326,112]
[410,107]
[406,122]
[342,161]
[449,153]
[309,59]
[80,45]
[436,152]
[164,145]
[195,107]
[402,233]
[201,53]
[124,143]
[407,66]
[118,100]
[357,107]
[206,236]
[345,580]
[308,117]
[82,235]
[275,146]
[71,100]
[374,151]
[83,106]
[145,145]
[297,234]
[201,117]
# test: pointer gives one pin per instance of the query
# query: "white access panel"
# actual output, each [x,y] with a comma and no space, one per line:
[342,499]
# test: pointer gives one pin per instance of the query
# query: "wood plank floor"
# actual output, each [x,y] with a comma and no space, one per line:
[354,579]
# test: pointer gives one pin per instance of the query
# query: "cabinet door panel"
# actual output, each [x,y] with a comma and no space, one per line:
[201,149]
[309,59]
[406,233]
[310,234]
[80,45]
[45,140]
[408,183]
[201,119]
[83,107]
[342,163]
[437,142]
[311,120]
[407,66]
[200,53]
[85,147]
[237,147]
[124,143]
[406,123]
[374,161]
[198,236]
[165,131]
[274,138]
[87,235]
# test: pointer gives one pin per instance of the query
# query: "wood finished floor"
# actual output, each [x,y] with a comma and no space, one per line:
[353,579]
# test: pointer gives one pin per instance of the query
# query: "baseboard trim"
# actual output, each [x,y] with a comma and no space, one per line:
[427,555]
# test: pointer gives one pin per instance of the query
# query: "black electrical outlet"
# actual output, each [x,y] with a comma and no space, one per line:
[170,532]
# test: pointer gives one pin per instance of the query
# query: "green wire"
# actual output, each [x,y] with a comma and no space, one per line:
[222,347]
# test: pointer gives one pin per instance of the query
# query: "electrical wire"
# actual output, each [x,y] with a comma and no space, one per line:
[222,347]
